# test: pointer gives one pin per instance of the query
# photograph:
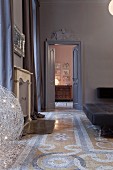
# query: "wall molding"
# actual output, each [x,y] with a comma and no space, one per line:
[72,1]
[63,35]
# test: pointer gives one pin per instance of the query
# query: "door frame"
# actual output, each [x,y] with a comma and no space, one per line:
[64,42]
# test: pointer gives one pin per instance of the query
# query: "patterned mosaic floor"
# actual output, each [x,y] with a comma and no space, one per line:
[73,145]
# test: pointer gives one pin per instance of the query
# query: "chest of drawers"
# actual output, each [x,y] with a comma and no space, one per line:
[63,92]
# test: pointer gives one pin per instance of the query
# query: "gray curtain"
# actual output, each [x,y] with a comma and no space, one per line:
[28,61]
[6,44]
[36,40]
[32,59]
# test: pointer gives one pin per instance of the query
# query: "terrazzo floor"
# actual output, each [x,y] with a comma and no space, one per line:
[72,145]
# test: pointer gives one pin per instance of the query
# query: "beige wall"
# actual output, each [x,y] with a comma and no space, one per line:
[91,23]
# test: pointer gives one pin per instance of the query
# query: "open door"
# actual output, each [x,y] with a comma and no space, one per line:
[77,98]
[50,77]
[50,74]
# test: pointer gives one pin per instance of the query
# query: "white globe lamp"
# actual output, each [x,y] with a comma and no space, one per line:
[11,117]
[110,7]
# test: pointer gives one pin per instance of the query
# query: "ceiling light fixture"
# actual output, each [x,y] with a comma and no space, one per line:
[110,7]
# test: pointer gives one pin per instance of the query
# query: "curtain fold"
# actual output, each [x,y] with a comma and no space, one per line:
[32,50]
[37,62]
[28,61]
[6,44]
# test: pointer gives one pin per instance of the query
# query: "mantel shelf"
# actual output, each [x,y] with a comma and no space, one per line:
[23,70]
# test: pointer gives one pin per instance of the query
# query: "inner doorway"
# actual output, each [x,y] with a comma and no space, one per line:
[76,72]
[63,75]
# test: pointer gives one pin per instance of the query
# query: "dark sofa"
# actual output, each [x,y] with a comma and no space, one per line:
[102,116]
[99,114]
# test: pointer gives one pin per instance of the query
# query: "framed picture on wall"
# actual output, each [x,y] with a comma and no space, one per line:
[65,66]
[65,72]
[66,78]
[19,42]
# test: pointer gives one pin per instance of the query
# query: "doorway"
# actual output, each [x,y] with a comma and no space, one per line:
[63,75]
[67,75]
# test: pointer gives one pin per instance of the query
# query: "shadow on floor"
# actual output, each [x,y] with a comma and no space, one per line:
[39,127]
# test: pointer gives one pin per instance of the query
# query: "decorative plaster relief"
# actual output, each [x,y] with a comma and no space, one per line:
[62,34]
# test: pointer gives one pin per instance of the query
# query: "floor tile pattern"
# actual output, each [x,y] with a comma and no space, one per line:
[73,145]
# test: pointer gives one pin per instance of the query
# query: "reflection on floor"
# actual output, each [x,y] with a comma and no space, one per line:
[39,126]
[64,104]
[72,145]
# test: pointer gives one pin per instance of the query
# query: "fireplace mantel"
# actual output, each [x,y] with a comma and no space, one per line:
[23,76]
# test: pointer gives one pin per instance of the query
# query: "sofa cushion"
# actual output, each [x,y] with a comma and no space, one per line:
[99,114]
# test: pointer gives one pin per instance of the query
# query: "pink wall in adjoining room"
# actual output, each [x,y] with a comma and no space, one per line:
[64,54]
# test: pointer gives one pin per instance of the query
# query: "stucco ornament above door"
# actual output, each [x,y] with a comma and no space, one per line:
[62,34]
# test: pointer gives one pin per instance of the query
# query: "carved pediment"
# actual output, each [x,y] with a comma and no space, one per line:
[62,34]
